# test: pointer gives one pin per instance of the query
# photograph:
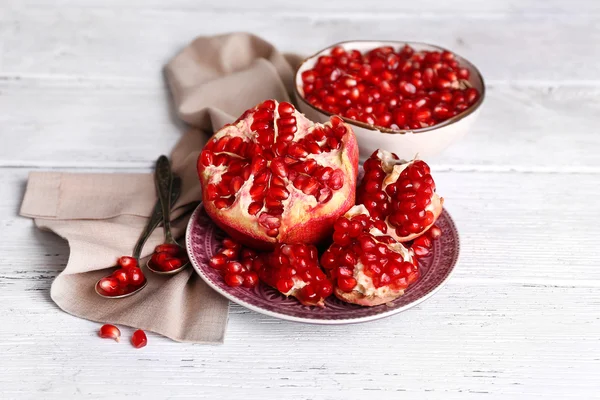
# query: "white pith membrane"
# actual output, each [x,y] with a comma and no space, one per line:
[298,206]
[393,168]
[364,283]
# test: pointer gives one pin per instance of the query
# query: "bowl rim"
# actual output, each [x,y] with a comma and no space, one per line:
[382,129]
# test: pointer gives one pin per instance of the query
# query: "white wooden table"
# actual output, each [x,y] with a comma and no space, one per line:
[519,319]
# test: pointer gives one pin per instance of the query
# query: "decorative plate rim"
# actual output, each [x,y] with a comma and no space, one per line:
[343,321]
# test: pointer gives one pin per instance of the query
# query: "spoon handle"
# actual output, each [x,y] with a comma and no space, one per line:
[163,178]
[156,217]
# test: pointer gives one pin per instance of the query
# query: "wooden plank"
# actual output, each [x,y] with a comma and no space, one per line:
[96,123]
[465,342]
[425,8]
[125,43]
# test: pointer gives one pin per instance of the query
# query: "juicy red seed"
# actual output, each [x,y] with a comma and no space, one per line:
[135,276]
[435,232]
[346,283]
[229,243]
[268,104]
[285,285]
[218,261]
[139,339]
[168,248]
[127,262]
[285,108]
[234,279]
[250,279]
[121,276]
[109,332]
[233,267]
[109,285]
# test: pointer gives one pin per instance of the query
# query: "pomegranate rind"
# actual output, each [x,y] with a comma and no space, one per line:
[306,222]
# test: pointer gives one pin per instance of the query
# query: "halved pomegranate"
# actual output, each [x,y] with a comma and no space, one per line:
[400,193]
[293,269]
[367,266]
[274,176]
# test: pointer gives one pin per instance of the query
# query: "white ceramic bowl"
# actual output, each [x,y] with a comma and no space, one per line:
[426,142]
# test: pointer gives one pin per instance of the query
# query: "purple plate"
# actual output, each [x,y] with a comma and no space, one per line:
[203,239]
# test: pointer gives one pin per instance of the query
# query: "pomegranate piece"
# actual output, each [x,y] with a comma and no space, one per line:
[109,332]
[400,194]
[273,176]
[139,339]
[293,269]
[432,85]
[368,267]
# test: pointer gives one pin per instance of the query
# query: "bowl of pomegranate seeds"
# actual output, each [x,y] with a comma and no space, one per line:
[407,97]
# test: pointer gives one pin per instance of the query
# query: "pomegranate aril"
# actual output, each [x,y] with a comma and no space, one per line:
[121,276]
[218,261]
[139,339]
[285,108]
[250,279]
[346,283]
[435,232]
[233,267]
[135,276]
[109,285]
[109,332]
[127,262]
[234,279]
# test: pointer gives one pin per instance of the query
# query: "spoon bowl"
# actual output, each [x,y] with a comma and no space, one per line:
[171,272]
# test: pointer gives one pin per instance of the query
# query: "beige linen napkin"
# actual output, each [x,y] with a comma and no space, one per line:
[213,80]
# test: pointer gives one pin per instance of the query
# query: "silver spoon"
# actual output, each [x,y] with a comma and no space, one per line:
[163,179]
[155,220]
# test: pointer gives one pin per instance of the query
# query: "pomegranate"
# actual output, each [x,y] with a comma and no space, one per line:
[139,339]
[367,266]
[293,269]
[396,89]
[400,193]
[273,176]
[110,332]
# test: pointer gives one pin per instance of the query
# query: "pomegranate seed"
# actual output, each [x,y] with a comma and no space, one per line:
[250,279]
[139,339]
[135,276]
[435,232]
[109,332]
[109,285]
[127,262]
[121,276]
[168,248]
[346,283]
[234,280]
